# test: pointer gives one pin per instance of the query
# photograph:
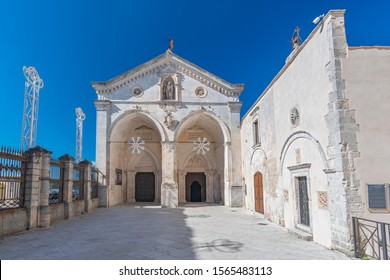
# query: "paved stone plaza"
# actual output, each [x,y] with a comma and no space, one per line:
[147,231]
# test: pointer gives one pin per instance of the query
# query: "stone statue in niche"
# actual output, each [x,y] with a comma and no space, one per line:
[168,89]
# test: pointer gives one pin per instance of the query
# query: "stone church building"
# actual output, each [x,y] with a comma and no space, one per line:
[309,154]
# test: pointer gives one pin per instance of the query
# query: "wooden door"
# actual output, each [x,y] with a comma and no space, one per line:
[259,202]
[144,187]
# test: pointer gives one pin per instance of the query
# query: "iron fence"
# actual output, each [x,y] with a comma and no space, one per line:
[56,192]
[12,178]
[94,183]
[371,239]
[78,183]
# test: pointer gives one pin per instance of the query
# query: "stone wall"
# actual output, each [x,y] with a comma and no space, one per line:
[306,128]
[37,212]
[367,92]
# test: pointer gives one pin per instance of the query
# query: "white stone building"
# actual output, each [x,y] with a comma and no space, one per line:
[319,138]
[163,107]
[313,148]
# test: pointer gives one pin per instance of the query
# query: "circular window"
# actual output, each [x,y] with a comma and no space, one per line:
[137,91]
[201,92]
[294,116]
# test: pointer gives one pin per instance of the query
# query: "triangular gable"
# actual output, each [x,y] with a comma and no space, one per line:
[164,64]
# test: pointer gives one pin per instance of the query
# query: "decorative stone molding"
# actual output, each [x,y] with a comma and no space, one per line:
[102,105]
[201,92]
[137,91]
[170,106]
[299,166]
[297,135]
[295,116]
[234,107]
[168,64]
[169,185]
[170,122]
[168,146]
[285,195]
[322,200]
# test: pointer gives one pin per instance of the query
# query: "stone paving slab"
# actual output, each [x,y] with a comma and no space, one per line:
[149,232]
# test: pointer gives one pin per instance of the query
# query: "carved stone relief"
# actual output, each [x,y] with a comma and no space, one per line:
[322,200]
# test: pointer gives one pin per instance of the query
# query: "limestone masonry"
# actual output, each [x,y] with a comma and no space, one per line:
[310,154]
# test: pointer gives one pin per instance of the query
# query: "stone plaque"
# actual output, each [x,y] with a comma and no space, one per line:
[193,134]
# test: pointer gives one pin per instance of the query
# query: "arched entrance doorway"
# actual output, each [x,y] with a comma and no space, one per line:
[196,187]
[140,164]
[259,201]
[200,146]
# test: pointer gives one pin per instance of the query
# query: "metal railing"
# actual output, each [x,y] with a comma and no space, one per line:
[56,192]
[371,239]
[12,178]
[94,183]
[78,183]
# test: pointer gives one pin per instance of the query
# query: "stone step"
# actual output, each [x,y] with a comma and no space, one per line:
[301,234]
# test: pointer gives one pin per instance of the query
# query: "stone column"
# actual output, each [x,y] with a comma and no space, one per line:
[169,189]
[130,186]
[67,161]
[87,185]
[210,186]
[44,208]
[102,124]
[182,186]
[32,198]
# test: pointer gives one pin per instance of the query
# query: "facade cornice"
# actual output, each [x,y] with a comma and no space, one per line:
[164,65]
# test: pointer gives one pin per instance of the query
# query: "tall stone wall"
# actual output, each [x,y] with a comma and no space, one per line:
[343,149]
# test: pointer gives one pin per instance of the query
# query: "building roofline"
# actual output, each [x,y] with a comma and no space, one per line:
[368,47]
[293,57]
[182,65]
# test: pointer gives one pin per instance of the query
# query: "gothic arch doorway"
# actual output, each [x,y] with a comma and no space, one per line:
[196,192]
[196,187]
[259,200]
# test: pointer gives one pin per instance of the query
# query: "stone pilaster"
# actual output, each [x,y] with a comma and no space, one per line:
[44,208]
[102,124]
[87,185]
[67,161]
[210,185]
[157,196]
[227,173]
[32,197]
[131,186]
[169,188]
[182,186]
[342,150]
[236,180]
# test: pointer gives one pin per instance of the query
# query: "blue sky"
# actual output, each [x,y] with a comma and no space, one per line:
[72,43]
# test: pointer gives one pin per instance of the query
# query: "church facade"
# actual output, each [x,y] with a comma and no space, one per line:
[308,155]
[169,132]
